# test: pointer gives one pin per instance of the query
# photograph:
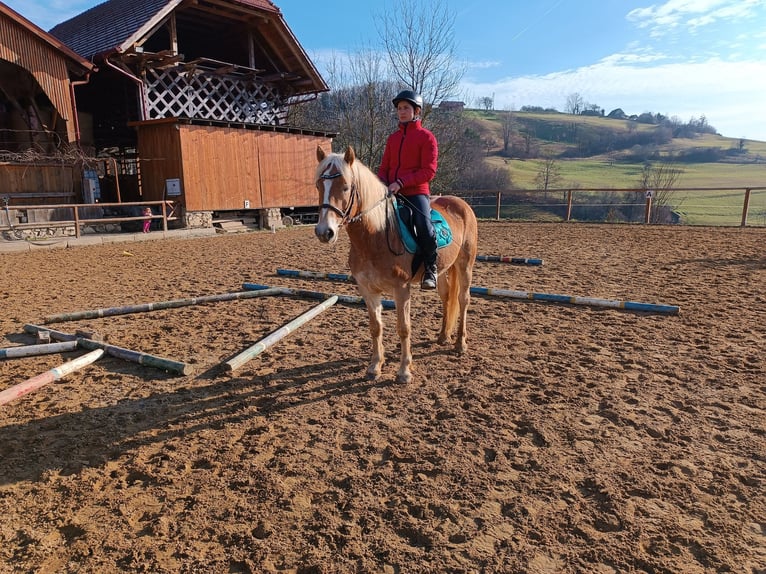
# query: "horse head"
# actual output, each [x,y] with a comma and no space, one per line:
[337,193]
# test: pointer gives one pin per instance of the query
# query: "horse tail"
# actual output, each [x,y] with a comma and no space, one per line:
[452,304]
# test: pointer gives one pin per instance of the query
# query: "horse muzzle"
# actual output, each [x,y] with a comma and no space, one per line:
[326,233]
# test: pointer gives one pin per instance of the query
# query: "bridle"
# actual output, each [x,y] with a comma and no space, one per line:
[344,215]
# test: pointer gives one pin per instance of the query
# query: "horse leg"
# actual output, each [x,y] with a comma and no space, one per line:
[443,285]
[375,312]
[402,298]
[464,298]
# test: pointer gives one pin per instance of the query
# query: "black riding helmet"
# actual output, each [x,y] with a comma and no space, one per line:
[409,96]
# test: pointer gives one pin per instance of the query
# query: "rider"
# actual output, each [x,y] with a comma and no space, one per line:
[408,165]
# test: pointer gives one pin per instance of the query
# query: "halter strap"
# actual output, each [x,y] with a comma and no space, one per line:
[344,215]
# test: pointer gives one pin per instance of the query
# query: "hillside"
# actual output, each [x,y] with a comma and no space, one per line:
[599,152]
[567,136]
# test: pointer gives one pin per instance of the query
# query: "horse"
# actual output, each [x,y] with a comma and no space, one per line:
[351,196]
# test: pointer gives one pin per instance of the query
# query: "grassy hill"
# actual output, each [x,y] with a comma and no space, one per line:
[571,141]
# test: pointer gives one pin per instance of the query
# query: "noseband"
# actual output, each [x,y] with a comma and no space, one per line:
[344,215]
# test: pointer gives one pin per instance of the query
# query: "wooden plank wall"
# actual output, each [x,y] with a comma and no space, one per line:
[39,183]
[47,65]
[159,150]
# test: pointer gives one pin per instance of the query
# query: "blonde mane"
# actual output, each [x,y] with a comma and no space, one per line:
[370,189]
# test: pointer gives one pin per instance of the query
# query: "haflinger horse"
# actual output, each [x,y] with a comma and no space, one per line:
[352,196]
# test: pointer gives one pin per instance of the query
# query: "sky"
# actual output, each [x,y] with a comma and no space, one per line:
[681,58]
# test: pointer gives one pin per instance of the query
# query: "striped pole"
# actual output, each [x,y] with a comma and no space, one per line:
[144,307]
[513,260]
[33,350]
[346,299]
[119,352]
[281,333]
[627,305]
[316,275]
[54,374]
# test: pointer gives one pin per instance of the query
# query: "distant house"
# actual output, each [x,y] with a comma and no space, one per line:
[191,100]
[450,106]
[38,118]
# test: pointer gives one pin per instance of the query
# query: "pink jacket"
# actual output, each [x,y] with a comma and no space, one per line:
[410,157]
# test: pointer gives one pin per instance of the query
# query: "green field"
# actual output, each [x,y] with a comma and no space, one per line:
[695,205]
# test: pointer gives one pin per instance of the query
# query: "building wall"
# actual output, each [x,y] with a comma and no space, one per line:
[221,167]
[47,66]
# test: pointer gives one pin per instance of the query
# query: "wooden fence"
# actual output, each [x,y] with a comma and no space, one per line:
[478,197]
[80,213]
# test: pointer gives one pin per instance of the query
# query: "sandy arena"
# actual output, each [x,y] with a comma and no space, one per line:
[570,438]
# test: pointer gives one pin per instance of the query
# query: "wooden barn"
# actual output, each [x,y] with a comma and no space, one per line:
[191,101]
[38,120]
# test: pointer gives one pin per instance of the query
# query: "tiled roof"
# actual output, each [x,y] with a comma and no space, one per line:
[106,26]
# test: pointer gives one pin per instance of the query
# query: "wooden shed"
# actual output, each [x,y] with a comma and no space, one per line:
[38,120]
[191,100]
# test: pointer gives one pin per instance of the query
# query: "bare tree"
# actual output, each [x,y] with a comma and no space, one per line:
[486,103]
[507,122]
[574,103]
[660,178]
[419,40]
[549,174]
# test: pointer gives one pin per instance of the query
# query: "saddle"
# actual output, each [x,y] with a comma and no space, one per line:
[407,228]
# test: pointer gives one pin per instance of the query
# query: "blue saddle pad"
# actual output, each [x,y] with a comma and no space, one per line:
[441,228]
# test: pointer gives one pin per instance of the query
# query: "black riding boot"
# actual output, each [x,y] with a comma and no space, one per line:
[429,264]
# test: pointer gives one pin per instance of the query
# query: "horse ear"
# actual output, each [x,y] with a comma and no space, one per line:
[350,155]
[320,153]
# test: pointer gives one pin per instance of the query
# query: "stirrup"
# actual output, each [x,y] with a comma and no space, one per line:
[429,281]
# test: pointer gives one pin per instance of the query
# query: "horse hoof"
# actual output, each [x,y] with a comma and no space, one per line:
[461,349]
[372,375]
[443,340]
[404,378]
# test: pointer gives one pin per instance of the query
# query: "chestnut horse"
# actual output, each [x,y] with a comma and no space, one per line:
[352,196]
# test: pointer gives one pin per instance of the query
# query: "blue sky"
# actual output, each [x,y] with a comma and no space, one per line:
[682,58]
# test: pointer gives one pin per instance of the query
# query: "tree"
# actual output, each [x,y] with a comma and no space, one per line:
[660,178]
[507,119]
[419,40]
[548,175]
[486,103]
[574,103]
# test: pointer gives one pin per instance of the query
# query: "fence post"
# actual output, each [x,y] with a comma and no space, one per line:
[569,204]
[76,222]
[648,208]
[499,201]
[745,207]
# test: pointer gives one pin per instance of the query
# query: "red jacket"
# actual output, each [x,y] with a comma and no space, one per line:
[410,156]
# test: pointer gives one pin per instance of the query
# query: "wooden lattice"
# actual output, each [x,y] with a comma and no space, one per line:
[174,92]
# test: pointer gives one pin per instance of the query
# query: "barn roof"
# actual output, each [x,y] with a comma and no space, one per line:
[117,26]
[76,63]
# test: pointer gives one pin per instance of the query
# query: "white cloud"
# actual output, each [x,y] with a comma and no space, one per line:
[729,94]
[691,13]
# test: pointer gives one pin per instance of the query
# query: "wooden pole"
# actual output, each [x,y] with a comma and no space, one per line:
[281,333]
[119,352]
[513,260]
[54,374]
[346,299]
[745,208]
[573,300]
[569,204]
[33,350]
[143,307]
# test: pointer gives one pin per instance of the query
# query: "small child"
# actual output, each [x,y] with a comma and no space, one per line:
[147,222]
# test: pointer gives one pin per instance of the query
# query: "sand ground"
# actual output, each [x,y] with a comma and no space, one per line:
[568,439]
